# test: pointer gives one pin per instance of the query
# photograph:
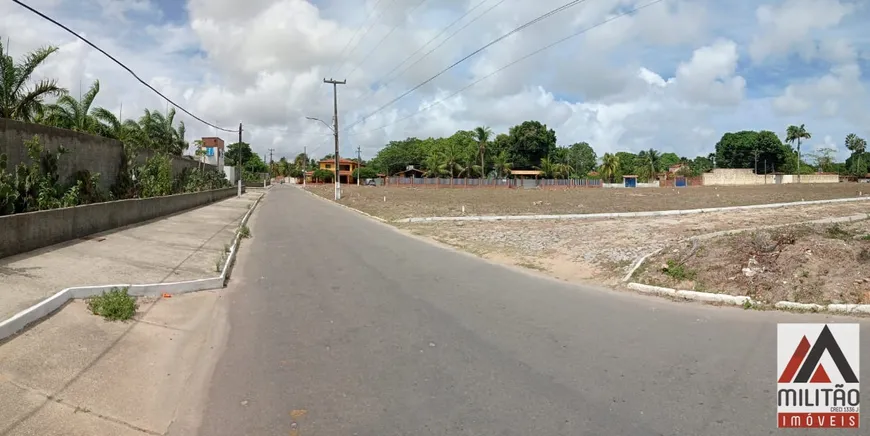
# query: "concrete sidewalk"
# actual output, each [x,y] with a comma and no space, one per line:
[179,247]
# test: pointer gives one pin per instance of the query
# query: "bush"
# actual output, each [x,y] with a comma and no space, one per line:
[115,305]
[678,271]
[324,176]
[245,232]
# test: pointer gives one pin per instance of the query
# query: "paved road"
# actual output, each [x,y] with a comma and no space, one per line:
[375,333]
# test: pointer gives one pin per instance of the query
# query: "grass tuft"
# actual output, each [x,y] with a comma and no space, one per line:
[245,232]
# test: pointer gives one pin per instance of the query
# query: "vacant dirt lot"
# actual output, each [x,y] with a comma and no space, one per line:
[601,251]
[404,202]
[819,264]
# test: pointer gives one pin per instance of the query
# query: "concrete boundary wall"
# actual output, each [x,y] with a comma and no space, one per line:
[623,214]
[51,304]
[23,232]
[96,154]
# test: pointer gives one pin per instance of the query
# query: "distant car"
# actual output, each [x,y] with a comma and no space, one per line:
[371,182]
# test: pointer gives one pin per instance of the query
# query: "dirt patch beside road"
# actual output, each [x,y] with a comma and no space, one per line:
[601,251]
[405,202]
[820,264]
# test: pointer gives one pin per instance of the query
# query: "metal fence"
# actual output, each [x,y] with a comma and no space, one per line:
[492,183]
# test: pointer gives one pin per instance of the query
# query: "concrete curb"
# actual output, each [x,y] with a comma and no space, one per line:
[339,204]
[49,305]
[845,309]
[624,214]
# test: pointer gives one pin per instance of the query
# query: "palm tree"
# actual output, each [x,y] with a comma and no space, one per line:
[72,114]
[653,160]
[451,155]
[502,164]
[482,135]
[609,166]
[129,132]
[433,164]
[161,132]
[18,98]
[553,170]
[857,146]
[797,133]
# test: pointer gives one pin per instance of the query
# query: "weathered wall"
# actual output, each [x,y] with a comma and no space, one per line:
[745,176]
[24,232]
[86,152]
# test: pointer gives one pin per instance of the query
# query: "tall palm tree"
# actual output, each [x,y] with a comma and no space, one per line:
[19,98]
[451,156]
[797,133]
[857,146]
[609,166]
[653,160]
[72,114]
[482,135]
[162,133]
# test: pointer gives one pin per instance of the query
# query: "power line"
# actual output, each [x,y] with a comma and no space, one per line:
[493,42]
[359,40]
[387,79]
[374,9]
[52,20]
[512,63]
[369,54]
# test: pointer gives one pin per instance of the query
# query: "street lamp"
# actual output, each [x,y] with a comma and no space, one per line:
[335,157]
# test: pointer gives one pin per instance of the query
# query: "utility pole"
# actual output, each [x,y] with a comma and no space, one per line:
[756,160]
[358,164]
[305,165]
[271,162]
[239,162]
[335,84]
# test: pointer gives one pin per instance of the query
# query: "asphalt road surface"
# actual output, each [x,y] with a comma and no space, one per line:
[346,326]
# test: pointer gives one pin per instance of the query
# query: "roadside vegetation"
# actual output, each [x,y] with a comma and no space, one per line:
[37,185]
[820,264]
[114,305]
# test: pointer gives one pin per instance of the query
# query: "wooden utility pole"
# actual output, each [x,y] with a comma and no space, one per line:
[358,164]
[305,165]
[335,84]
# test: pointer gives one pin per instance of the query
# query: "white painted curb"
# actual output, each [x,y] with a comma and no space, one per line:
[583,216]
[339,204]
[738,300]
[46,307]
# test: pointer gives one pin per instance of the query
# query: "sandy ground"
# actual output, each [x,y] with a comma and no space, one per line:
[601,251]
[404,202]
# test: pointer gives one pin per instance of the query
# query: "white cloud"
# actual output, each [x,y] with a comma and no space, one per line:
[674,76]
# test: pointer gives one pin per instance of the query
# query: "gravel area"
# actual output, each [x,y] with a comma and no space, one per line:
[406,202]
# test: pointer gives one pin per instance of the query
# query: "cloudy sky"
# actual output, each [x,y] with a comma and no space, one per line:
[673,76]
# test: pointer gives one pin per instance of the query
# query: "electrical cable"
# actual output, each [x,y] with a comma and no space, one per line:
[369,54]
[340,54]
[358,41]
[52,20]
[387,79]
[493,42]
[512,63]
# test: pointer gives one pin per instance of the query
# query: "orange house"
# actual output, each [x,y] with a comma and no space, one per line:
[345,170]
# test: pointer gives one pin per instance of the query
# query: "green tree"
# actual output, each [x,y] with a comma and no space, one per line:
[797,133]
[325,176]
[482,135]
[235,150]
[502,164]
[300,161]
[364,173]
[610,166]
[667,160]
[21,98]
[627,163]
[530,142]
[72,114]
[161,132]
[857,146]
[398,155]
[739,149]
[824,158]
[582,158]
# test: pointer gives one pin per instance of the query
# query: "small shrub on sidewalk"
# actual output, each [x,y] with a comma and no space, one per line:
[115,305]
[245,232]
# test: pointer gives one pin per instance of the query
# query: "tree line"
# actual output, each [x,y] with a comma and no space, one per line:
[532,145]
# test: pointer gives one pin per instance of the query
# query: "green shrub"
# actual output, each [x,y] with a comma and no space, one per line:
[115,305]
[678,271]
[245,232]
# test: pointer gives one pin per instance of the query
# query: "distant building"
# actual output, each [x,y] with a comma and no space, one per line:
[212,152]
[345,170]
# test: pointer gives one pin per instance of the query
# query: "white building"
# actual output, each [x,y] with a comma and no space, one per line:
[213,152]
